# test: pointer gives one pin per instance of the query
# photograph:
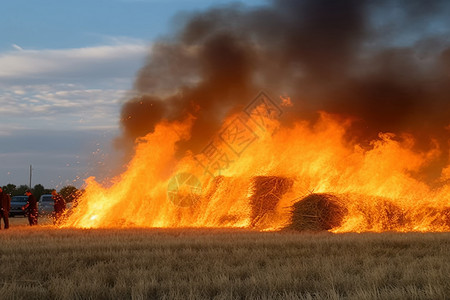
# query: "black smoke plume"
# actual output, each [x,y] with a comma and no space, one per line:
[384,63]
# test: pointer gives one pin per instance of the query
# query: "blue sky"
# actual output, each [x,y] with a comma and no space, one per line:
[65,68]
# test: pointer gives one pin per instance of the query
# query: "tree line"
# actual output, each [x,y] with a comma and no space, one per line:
[68,192]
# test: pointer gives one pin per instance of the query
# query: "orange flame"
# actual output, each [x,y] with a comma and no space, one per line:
[215,188]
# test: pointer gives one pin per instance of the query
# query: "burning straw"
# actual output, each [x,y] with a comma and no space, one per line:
[435,217]
[267,192]
[317,212]
[381,214]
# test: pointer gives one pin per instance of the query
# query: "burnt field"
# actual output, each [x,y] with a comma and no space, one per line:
[44,262]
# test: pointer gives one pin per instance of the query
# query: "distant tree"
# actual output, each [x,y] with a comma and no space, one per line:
[9,188]
[20,191]
[38,191]
[70,193]
[48,191]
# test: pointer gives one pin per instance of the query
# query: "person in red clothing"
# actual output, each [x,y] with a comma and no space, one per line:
[31,208]
[5,206]
[59,206]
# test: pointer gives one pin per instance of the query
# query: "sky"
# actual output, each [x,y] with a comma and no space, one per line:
[66,67]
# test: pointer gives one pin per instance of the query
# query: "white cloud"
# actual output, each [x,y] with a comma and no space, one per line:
[60,106]
[17,47]
[67,88]
[72,62]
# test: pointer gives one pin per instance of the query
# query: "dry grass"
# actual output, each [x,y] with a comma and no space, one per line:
[46,263]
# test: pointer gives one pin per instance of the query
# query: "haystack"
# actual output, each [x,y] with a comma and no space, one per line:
[317,212]
[266,193]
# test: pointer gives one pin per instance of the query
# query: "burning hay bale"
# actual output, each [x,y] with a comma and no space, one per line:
[317,212]
[267,192]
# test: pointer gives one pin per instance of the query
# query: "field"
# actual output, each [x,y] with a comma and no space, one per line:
[44,262]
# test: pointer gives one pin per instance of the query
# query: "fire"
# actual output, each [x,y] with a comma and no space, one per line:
[250,176]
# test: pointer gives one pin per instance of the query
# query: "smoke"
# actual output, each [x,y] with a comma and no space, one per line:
[384,63]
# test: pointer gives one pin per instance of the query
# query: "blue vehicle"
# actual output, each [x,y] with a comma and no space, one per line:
[16,206]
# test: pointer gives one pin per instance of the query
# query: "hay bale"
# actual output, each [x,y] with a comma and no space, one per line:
[267,191]
[317,212]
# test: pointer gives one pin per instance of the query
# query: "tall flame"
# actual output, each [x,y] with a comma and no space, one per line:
[215,188]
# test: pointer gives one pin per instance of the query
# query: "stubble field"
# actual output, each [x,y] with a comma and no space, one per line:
[48,263]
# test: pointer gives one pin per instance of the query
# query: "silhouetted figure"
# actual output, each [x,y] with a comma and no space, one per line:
[5,206]
[59,206]
[31,208]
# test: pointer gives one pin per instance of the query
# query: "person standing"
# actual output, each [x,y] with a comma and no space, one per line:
[59,206]
[31,207]
[5,206]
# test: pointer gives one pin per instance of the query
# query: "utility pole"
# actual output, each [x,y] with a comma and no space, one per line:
[31,171]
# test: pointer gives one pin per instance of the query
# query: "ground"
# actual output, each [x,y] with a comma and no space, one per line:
[45,262]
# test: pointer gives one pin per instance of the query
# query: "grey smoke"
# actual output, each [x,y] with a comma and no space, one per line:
[384,63]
